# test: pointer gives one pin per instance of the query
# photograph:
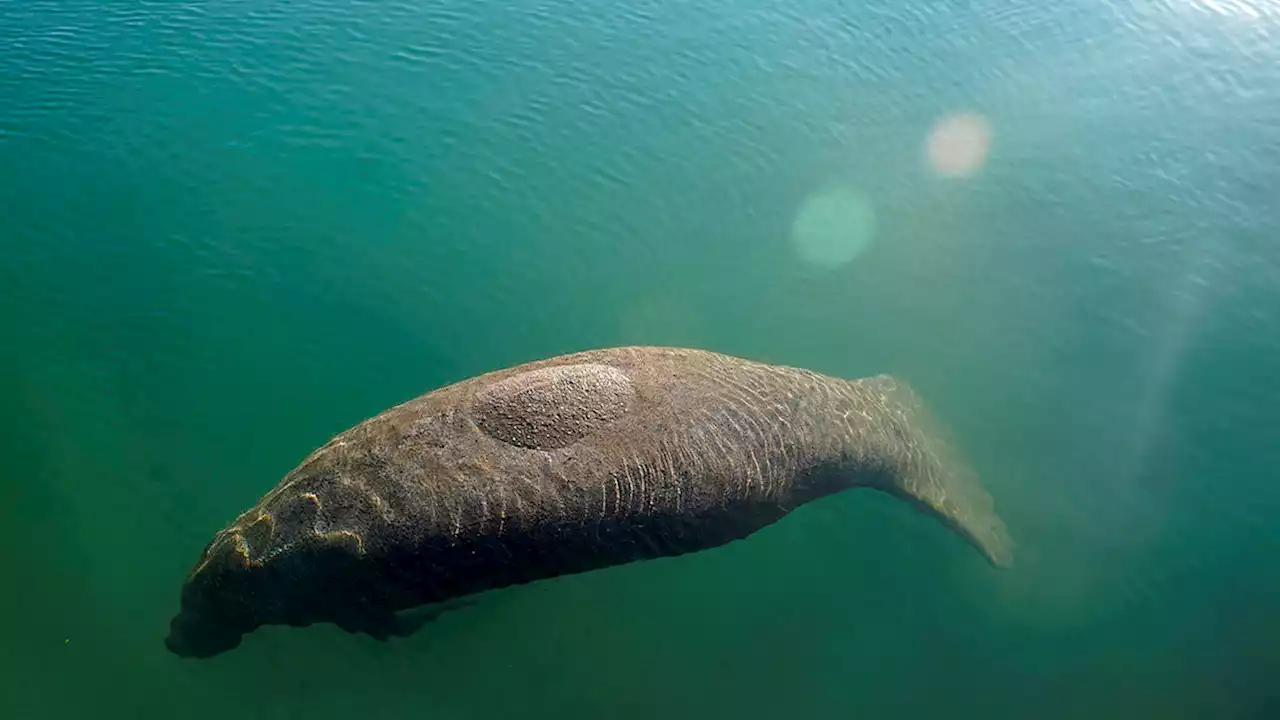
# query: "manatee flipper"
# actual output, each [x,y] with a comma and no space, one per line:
[408,622]
[934,477]
[380,626]
[383,626]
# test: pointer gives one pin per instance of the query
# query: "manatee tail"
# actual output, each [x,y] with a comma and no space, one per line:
[929,473]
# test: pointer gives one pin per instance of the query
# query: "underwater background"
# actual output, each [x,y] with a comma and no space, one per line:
[230,230]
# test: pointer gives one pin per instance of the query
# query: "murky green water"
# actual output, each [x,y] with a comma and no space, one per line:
[233,229]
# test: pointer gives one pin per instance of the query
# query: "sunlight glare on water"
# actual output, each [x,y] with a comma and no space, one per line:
[1250,9]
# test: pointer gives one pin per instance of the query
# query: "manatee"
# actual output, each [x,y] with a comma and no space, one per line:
[559,466]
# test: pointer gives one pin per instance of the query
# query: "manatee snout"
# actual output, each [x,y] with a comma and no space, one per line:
[213,616]
[192,636]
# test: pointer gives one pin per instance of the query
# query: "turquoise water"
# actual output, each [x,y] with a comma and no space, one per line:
[233,229]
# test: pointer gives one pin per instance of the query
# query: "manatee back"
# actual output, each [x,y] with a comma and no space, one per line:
[634,431]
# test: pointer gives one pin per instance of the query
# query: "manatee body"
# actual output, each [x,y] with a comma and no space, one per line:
[562,466]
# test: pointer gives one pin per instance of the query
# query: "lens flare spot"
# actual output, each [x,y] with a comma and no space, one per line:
[833,226]
[958,145]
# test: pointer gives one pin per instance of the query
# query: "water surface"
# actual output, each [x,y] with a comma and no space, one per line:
[233,229]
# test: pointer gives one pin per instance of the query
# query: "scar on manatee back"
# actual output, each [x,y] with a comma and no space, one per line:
[553,407]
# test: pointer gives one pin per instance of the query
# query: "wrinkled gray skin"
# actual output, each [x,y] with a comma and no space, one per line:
[562,466]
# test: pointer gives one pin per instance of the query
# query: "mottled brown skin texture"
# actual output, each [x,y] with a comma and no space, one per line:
[562,466]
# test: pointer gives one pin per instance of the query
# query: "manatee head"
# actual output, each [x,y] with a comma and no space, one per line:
[278,563]
[217,601]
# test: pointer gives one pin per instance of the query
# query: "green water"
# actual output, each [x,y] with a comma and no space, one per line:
[231,229]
